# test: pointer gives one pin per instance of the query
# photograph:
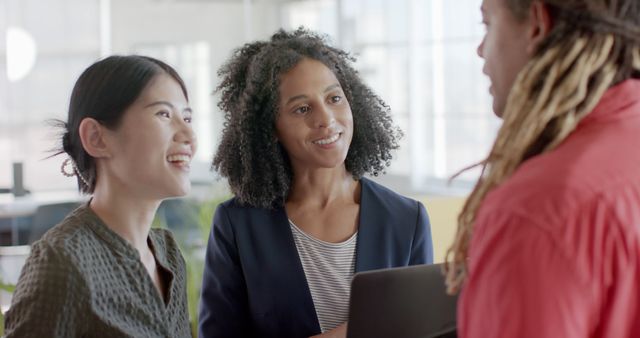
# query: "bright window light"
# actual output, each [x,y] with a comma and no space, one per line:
[21,53]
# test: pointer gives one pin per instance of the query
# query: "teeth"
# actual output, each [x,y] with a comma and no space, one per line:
[328,140]
[179,158]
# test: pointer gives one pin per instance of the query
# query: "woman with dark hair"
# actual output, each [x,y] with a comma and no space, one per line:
[102,272]
[302,129]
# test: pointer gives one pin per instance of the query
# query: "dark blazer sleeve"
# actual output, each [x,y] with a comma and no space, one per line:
[422,247]
[224,308]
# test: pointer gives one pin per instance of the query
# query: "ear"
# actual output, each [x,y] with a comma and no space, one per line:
[92,136]
[540,25]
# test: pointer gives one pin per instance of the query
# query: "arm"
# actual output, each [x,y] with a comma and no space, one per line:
[50,299]
[223,303]
[522,284]
[422,246]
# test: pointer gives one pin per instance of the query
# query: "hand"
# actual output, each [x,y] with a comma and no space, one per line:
[339,332]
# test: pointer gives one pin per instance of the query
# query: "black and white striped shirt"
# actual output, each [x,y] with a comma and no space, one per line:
[328,268]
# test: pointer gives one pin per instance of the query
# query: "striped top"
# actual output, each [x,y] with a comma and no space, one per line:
[328,268]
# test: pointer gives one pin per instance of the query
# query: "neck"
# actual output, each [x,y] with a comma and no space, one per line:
[322,186]
[126,214]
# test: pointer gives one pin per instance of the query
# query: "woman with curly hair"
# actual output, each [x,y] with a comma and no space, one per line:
[301,131]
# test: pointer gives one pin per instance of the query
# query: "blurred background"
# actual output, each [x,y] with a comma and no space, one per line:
[418,55]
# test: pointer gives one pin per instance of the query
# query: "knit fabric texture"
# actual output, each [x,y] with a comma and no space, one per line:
[83,280]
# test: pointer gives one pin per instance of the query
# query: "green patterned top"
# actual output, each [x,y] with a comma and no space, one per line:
[83,280]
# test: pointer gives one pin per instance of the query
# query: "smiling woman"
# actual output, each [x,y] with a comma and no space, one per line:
[102,271]
[302,129]
[314,123]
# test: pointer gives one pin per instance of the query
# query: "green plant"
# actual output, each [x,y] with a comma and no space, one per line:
[194,257]
[192,235]
[8,288]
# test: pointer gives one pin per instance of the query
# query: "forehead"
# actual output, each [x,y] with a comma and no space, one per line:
[164,87]
[307,73]
[489,6]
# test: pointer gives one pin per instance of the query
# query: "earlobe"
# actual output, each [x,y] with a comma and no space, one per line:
[540,25]
[92,137]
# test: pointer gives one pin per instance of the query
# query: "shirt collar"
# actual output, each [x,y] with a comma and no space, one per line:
[118,244]
[613,103]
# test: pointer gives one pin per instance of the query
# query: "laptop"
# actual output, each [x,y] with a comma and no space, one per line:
[406,302]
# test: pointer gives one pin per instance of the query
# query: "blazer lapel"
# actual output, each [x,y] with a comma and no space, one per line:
[297,288]
[371,251]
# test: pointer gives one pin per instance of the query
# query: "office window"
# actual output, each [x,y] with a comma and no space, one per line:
[44,47]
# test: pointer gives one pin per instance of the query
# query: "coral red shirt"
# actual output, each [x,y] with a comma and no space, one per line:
[556,248]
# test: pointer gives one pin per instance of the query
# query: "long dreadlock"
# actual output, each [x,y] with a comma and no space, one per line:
[593,45]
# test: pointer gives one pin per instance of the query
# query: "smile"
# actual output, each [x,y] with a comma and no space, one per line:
[328,140]
[180,159]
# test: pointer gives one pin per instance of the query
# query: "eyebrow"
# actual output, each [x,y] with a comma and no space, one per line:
[328,89]
[166,103]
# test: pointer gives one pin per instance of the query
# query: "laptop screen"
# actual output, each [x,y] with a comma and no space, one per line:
[401,302]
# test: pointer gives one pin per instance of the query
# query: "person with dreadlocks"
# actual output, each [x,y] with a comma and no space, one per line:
[548,243]
[301,130]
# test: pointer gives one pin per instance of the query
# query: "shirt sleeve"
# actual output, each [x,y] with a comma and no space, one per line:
[422,246]
[50,298]
[521,284]
[223,303]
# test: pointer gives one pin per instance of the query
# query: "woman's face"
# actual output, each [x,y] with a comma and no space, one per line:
[314,122]
[152,148]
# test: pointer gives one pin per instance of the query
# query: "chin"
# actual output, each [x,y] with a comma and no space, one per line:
[184,192]
[498,110]
[333,164]
[181,191]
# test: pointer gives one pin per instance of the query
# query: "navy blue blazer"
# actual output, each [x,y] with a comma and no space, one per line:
[254,284]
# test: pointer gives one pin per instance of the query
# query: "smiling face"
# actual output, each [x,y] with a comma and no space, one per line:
[314,122]
[152,147]
[504,49]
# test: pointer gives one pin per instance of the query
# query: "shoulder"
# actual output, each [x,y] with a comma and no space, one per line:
[56,258]
[545,192]
[233,210]
[590,163]
[561,215]
[232,203]
[72,239]
[378,195]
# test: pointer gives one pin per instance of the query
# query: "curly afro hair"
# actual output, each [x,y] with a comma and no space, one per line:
[249,155]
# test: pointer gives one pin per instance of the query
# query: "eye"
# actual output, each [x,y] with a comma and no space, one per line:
[187,119]
[164,113]
[336,98]
[302,110]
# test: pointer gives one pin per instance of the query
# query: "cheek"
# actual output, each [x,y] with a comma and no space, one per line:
[488,47]
[147,145]
[285,137]
[346,115]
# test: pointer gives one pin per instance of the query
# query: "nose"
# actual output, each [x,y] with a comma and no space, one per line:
[323,116]
[185,134]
